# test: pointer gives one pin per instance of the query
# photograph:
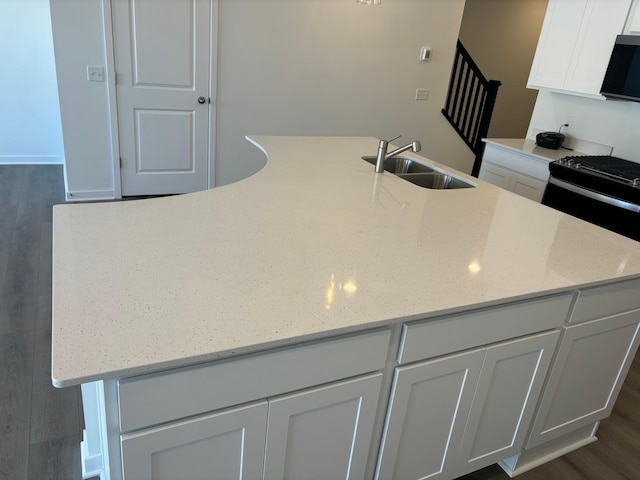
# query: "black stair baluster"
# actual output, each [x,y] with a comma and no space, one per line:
[470,102]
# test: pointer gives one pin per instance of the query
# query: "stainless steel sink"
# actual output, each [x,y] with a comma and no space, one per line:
[436,180]
[420,174]
[400,164]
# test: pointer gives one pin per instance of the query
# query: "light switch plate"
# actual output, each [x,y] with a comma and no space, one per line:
[95,74]
[425,54]
[422,94]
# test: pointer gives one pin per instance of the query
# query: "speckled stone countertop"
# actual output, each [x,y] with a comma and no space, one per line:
[313,245]
[525,145]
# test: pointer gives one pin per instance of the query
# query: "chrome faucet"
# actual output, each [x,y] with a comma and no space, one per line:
[383,155]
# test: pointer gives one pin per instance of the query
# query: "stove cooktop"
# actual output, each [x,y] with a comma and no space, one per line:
[605,165]
[605,174]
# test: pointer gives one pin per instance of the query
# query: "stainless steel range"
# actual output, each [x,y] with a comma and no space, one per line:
[603,190]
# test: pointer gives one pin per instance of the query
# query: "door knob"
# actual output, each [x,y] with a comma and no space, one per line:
[202,100]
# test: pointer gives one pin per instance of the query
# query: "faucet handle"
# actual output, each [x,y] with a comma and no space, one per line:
[395,138]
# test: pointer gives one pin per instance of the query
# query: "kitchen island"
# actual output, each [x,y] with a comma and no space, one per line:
[317,293]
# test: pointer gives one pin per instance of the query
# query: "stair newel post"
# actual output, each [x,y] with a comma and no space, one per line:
[483,127]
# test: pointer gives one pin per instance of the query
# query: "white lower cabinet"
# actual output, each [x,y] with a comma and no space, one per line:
[513,181]
[459,413]
[515,170]
[223,445]
[510,384]
[588,373]
[467,389]
[322,433]
[426,418]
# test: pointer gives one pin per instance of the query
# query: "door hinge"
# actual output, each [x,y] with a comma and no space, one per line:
[120,162]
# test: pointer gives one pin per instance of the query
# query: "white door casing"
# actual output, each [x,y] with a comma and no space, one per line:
[162,56]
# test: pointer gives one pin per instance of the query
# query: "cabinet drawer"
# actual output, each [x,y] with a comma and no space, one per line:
[518,162]
[158,398]
[432,338]
[604,301]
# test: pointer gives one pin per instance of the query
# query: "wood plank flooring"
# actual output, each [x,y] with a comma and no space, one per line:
[40,426]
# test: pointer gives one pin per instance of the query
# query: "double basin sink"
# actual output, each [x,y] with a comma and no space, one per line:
[420,174]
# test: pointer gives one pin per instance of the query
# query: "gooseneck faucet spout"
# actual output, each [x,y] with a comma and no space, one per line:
[383,155]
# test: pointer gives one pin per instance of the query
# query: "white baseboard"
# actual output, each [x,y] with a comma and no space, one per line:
[92,465]
[31,159]
[529,459]
[90,195]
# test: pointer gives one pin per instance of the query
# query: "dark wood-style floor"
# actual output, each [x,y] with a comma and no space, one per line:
[40,426]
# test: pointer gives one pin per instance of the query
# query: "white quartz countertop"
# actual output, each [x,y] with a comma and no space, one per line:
[313,245]
[525,145]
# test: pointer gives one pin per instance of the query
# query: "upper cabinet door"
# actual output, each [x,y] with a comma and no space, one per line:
[575,44]
[557,40]
[603,21]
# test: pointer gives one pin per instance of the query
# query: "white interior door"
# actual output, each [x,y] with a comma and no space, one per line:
[163,58]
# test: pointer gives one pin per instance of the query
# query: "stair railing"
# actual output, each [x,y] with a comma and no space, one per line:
[470,101]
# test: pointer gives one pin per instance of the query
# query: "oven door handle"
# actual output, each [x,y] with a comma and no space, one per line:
[616,202]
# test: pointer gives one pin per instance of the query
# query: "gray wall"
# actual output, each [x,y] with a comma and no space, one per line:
[333,67]
[285,67]
[502,36]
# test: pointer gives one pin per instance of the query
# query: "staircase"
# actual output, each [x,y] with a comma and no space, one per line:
[470,103]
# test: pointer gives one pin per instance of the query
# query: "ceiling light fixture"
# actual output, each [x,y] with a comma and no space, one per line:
[369,2]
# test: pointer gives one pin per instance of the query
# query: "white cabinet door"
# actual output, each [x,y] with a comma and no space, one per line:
[495,175]
[557,40]
[324,433]
[508,390]
[633,24]
[515,182]
[528,187]
[426,417]
[224,445]
[575,44]
[603,20]
[590,367]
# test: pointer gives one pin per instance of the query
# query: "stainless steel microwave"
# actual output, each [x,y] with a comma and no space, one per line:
[622,79]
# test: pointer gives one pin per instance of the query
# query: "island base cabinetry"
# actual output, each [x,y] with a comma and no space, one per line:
[319,433]
[323,433]
[518,384]
[590,367]
[456,414]
[228,444]
[589,370]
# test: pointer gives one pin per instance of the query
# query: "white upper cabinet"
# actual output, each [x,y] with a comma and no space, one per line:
[633,24]
[575,44]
